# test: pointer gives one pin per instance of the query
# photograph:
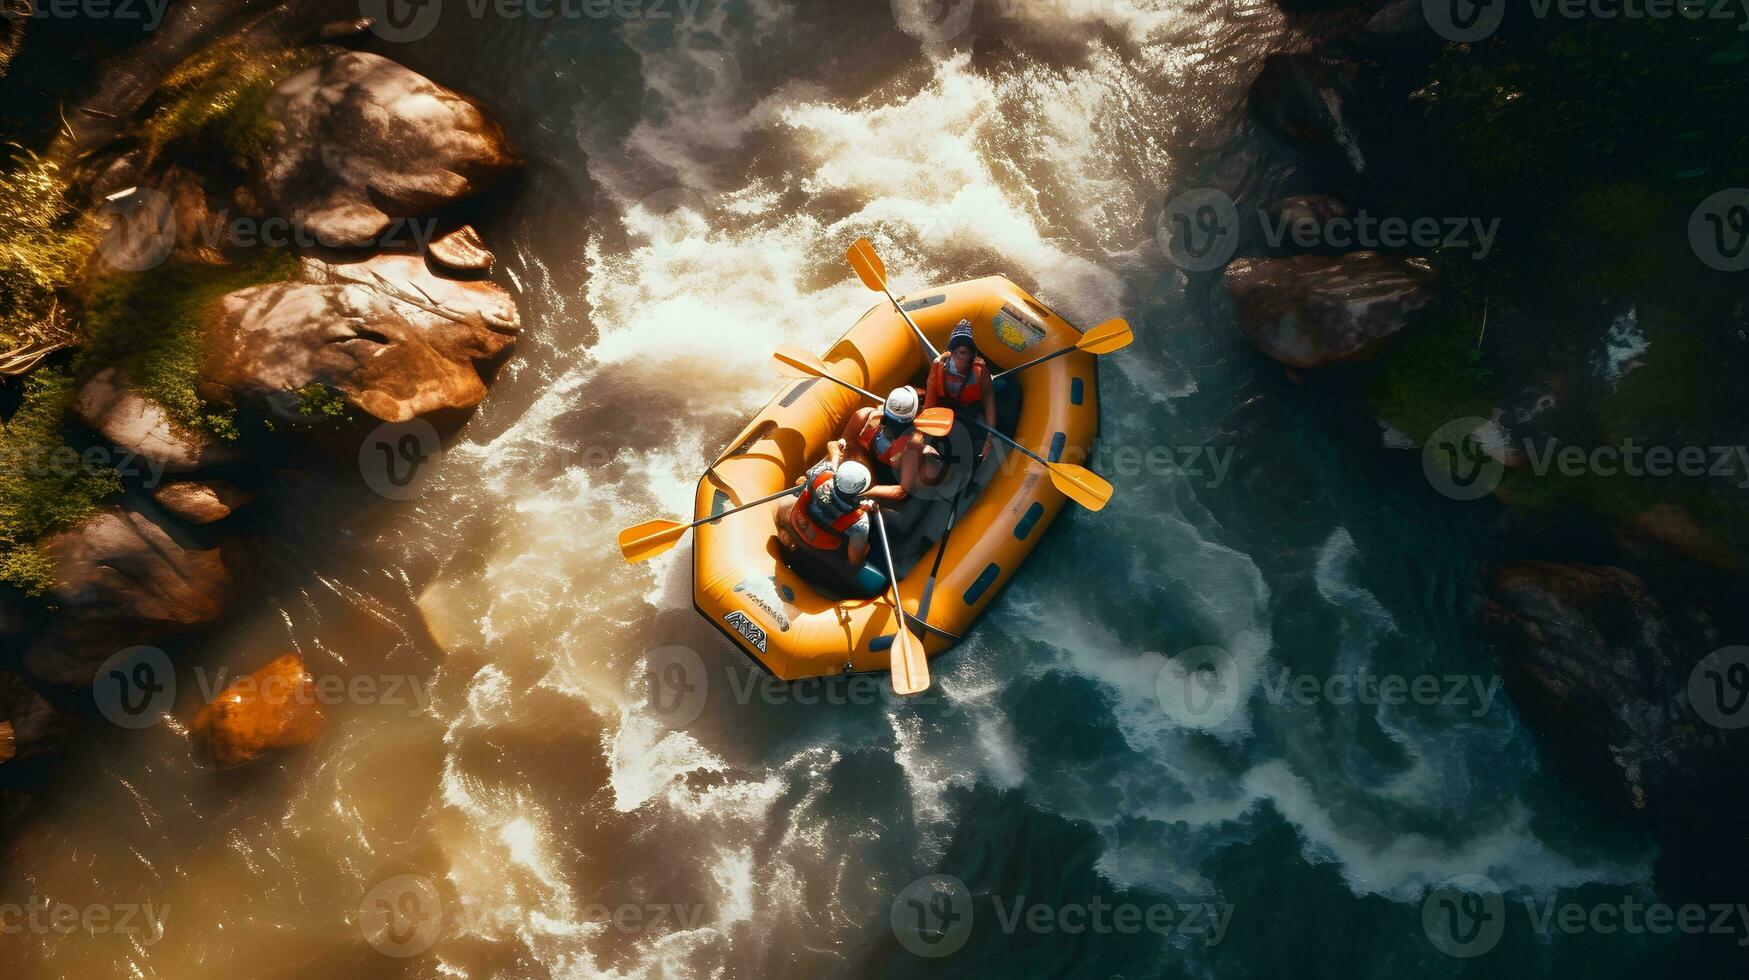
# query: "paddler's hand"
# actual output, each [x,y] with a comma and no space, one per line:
[986,450]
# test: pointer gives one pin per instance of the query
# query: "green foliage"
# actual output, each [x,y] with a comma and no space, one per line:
[43,245]
[44,485]
[325,404]
[219,97]
[1433,375]
[151,325]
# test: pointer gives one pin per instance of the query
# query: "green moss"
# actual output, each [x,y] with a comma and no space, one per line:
[44,484]
[151,325]
[326,405]
[43,246]
[219,98]
[1432,375]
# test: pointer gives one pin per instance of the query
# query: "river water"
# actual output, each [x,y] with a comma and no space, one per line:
[525,811]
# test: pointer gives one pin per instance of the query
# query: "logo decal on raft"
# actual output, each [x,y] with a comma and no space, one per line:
[1015,331]
[763,593]
[750,632]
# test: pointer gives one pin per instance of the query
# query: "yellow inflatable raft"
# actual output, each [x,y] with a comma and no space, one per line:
[741,583]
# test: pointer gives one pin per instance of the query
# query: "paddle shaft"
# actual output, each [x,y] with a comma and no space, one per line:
[1037,360]
[871,396]
[737,510]
[892,576]
[992,430]
[933,353]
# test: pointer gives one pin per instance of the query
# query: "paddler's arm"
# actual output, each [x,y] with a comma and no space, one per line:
[933,393]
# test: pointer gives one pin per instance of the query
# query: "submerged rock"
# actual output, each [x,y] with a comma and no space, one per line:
[460,251]
[109,404]
[1595,663]
[29,725]
[273,708]
[1302,100]
[121,578]
[1313,310]
[396,340]
[202,501]
[363,141]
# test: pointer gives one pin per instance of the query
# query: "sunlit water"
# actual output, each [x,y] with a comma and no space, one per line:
[690,192]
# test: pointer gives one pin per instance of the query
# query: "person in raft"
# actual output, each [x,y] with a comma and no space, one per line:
[884,440]
[830,515]
[960,380]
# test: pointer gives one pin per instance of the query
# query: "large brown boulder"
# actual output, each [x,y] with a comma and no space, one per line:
[1310,311]
[395,339]
[1599,666]
[29,725]
[275,707]
[363,141]
[122,578]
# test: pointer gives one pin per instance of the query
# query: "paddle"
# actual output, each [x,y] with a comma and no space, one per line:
[936,422]
[1112,335]
[651,538]
[873,273]
[1078,483]
[907,662]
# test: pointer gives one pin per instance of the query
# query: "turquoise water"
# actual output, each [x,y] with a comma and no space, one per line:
[689,196]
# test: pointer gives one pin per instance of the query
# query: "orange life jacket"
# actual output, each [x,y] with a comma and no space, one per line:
[970,390]
[880,445]
[816,529]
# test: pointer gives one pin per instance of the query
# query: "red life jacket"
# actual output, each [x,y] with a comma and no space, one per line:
[814,530]
[971,389]
[879,445]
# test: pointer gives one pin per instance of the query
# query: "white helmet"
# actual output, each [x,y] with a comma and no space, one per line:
[852,479]
[901,404]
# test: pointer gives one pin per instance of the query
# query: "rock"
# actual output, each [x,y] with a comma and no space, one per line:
[273,708]
[1593,661]
[1312,310]
[109,404]
[122,579]
[1672,527]
[1301,100]
[1302,220]
[460,251]
[202,501]
[363,141]
[395,339]
[29,725]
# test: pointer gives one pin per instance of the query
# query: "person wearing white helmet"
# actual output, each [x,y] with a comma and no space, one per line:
[885,441]
[830,515]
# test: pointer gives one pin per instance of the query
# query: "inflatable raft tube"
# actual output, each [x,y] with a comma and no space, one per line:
[794,629]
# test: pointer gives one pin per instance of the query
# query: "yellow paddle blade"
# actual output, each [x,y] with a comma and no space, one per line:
[799,359]
[1112,335]
[936,422]
[649,539]
[1081,485]
[908,664]
[869,267]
